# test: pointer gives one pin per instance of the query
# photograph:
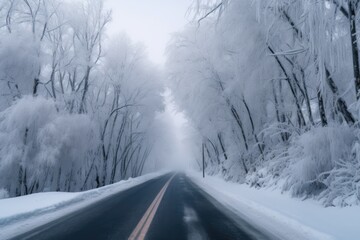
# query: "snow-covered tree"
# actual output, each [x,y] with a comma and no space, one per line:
[269,83]
[76,113]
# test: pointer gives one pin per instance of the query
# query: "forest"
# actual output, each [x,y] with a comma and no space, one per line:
[75,113]
[270,90]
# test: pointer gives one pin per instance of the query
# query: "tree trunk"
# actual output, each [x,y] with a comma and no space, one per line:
[35,87]
[86,88]
[260,146]
[354,46]
[340,102]
[203,159]
[240,124]
[52,81]
[322,112]
[307,98]
[279,118]
[216,151]
[20,179]
[222,146]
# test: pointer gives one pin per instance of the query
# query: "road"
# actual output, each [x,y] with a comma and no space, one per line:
[169,207]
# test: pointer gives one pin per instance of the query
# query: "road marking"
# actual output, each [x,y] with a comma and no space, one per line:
[143,226]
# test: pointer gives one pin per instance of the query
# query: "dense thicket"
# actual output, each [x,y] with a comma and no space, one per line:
[272,88]
[75,112]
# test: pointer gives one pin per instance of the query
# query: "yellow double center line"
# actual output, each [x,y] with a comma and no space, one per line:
[143,226]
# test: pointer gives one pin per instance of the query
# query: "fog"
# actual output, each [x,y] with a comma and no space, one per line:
[153,23]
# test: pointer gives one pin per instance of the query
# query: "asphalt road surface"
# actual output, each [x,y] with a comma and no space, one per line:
[169,207]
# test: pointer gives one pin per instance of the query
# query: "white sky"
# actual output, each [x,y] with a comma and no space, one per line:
[149,21]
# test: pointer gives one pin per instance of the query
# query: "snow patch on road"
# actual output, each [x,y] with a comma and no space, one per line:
[21,214]
[194,228]
[281,215]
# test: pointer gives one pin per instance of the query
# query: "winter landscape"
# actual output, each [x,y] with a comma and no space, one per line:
[191,119]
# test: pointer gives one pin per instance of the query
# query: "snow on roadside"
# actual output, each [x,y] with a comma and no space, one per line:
[280,214]
[20,214]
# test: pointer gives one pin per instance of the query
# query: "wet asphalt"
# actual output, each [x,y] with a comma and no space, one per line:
[185,212]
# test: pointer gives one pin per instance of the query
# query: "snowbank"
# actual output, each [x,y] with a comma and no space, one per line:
[18,215]
[286,217]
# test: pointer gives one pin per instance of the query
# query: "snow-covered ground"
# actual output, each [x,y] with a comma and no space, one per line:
[282,215]
[18,215]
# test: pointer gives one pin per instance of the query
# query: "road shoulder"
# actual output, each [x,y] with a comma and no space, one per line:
[22,214]
[241,206]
